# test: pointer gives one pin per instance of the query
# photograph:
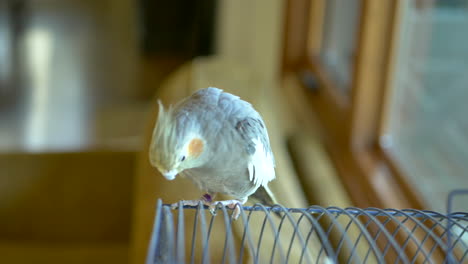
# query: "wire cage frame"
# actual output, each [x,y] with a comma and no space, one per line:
[191,234]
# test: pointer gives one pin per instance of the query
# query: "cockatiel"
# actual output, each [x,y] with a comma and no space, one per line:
[219,142]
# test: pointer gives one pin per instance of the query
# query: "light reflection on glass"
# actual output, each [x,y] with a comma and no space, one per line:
[55,113]
[341,24]
[39,45]
[5,35]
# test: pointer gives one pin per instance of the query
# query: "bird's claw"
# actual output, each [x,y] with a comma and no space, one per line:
[236,212]
[213,206]
[189,203]
[231,204]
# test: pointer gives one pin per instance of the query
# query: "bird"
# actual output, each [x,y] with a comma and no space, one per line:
[219,142]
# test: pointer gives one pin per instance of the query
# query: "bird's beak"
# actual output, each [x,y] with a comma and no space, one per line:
[170,175]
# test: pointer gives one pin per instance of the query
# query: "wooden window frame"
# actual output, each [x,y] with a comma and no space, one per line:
[353,124]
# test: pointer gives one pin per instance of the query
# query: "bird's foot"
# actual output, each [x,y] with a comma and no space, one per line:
[206,199]
[231,204]
[190,203]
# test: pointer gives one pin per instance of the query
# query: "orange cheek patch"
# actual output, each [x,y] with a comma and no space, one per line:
[195,147]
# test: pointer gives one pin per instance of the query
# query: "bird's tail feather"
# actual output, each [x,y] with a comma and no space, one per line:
[265,196]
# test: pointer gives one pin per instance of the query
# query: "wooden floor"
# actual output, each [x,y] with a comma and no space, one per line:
[19,253]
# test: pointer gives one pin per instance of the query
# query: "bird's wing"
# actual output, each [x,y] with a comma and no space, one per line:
[261,164]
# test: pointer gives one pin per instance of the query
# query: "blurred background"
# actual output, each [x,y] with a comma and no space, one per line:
[366,102]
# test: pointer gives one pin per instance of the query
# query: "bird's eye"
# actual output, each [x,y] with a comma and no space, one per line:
[182,158]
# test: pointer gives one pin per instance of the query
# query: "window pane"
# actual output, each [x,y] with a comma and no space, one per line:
[428,124]
[339,39]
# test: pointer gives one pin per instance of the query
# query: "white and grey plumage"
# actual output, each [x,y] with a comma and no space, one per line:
[218,141]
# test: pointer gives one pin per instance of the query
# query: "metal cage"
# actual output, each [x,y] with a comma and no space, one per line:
[309,235]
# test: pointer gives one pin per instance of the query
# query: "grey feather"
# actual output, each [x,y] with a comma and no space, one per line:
[232,131]
[251,128]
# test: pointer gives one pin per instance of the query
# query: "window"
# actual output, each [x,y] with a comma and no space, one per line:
[427,129]
[339,35]
[399,138]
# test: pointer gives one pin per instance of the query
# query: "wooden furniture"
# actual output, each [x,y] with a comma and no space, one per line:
[65,207]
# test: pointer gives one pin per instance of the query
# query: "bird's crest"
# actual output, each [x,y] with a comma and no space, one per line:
[164,138]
